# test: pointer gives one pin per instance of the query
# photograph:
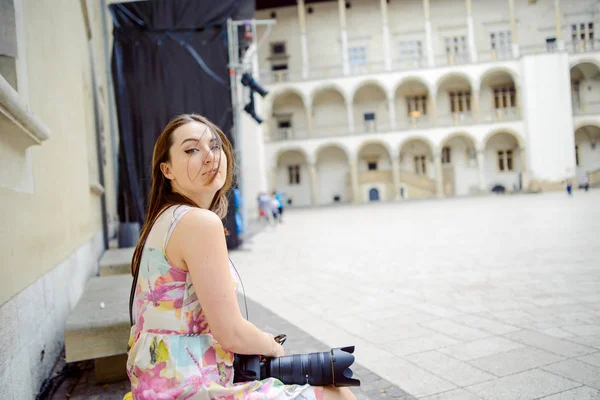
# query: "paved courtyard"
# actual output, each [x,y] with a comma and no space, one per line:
[488,297]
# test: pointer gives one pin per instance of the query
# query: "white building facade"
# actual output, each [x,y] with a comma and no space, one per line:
[387,100]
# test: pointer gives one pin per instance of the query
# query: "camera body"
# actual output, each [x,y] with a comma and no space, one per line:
[315,369]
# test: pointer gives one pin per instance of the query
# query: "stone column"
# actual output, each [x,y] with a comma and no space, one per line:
[428,38]
[471,32]
[272,182]
[518,100]
[303,38]
[387,56]
[392,112]
[344,36]
[396,176]
[524,174]
[313,183]
[439,176]
[513,29]
[557,21]
[433,109]
[354,182]
[481,168]
[475,105]
[350,111]
[309,120]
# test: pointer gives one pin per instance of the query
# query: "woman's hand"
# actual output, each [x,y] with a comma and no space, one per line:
[279,352]
[276,349]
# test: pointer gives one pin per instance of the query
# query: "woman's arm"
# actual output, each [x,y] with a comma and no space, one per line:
[199,241]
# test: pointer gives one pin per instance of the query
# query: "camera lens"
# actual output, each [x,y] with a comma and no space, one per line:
[314,368]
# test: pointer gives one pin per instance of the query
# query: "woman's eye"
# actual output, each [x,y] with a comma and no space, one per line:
[216,147]
[191,151]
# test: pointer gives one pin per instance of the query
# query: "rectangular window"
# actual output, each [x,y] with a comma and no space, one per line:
[504,97]
[505,160]
[582,36]
[551,44]
[421,165]
[278,49]
[372,165]
[501,43]
[577,156]
[294,174]
[460,102]
[410,53]
[416,105]
[456,49]
[370,124]
[446,155]
[357,58]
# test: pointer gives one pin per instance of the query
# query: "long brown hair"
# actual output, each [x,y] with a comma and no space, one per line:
[161,194]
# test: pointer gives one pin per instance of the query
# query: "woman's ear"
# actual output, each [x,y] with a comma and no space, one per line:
[165,168]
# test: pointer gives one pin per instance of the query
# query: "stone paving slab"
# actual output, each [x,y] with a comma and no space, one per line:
[373,386]
[506,285]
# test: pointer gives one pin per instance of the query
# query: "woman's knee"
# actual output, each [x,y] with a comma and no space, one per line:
[334,393]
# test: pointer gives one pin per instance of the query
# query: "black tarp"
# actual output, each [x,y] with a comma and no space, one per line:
[169,57]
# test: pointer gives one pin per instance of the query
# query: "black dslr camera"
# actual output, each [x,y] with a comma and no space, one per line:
[315,369]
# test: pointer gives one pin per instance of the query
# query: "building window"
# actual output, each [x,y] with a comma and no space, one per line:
[357,57]
[500,43]
[369,119]
[284,129]
[577,155]
[505,160]
[410,53]
[582,36]
[505,97]
[551,44]
[460,102]
[421,165]
[278,49]
[372,165]
[446,155]
[456,49]
[416,105]
[576,94]
[294,174]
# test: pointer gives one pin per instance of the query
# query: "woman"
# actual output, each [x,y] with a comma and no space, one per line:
[188,324]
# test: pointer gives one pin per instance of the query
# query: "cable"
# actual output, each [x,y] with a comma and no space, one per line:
[243,289]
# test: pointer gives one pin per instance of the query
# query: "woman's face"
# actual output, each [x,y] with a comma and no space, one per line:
[196,156]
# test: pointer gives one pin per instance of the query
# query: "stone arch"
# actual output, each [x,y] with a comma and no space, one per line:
[485,74]
[367,82]
[510,131]
[586,73]
[328,86]
[413,101]
[454,100]
[332,161]
[289,114]
[292,175]
[504,163]
[370,107]
[329,106]
[460,175]
[366,143]
[419,138]
[587,154]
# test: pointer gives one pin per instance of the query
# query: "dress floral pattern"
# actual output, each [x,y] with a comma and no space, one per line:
[172,353]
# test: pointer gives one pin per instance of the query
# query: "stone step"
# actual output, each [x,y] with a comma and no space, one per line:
[116,261]
[98,326]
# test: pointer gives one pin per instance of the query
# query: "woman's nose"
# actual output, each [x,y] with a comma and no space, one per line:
[210,157]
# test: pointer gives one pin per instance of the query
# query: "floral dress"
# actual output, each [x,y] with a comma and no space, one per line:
[173,354]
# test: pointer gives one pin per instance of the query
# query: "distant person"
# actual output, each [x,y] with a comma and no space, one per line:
[586,182]
[279,199]
[187,324]
[569,187]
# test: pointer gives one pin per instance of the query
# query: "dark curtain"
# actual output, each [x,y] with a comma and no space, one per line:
[169,57]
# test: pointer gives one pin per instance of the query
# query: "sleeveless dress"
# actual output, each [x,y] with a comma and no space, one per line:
[172,353]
